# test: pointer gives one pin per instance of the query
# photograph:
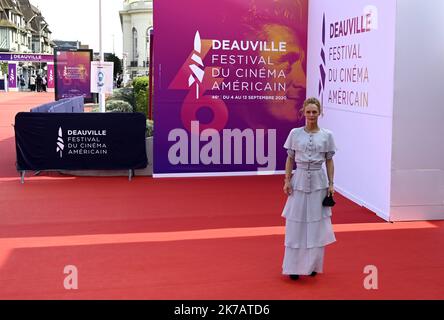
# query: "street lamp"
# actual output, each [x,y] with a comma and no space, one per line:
[102,59]
[43,25]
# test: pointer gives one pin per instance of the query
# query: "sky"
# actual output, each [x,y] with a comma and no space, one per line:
[79,21]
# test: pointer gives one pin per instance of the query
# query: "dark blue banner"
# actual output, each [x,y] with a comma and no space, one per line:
[88,141]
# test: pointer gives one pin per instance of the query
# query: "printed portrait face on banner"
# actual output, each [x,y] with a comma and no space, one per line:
[229,85]
[282,22]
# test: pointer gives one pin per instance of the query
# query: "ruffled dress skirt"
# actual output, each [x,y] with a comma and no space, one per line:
[308,225]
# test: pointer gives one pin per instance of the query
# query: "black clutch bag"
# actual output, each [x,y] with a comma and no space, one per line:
[329,201]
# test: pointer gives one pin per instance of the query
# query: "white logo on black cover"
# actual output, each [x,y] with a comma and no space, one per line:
[60,143]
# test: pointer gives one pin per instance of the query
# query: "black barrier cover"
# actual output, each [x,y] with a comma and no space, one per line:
[89,141]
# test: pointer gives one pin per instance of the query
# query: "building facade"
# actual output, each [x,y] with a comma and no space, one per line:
[69,45]
[15,35]
[137,20]
[23,29]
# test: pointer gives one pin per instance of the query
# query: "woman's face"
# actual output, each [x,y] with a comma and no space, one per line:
[312,114]
[293,63]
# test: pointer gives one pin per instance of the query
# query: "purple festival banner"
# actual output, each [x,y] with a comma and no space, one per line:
[229,86]
[51,79]
[22,57]
[73,74]
[12,75]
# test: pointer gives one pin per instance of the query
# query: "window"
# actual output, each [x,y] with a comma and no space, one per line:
[148,31]
[135,54]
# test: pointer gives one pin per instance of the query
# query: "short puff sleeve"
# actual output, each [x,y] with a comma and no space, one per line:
[331,146]
[288,145]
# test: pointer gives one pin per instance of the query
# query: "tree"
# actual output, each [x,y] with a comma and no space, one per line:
[117,63]
[140,86]
[4,68]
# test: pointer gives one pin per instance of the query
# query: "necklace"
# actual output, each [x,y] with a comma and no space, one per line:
[308,131]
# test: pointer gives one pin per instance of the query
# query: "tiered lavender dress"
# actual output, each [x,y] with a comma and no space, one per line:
[308,224]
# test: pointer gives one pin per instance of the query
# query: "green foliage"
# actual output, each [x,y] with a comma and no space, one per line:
[142,103]
[118,106]
[4,67]
[117,63]
[123,94]
[136,97]
[140,86]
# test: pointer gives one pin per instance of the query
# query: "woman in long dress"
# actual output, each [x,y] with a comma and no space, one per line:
[308,223]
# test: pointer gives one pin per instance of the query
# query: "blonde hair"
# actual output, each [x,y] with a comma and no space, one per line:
[309,101]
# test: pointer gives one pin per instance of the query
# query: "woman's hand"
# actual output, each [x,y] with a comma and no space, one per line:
[331,190]
[288,189]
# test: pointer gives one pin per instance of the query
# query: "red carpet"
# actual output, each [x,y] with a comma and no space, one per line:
[218,238]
